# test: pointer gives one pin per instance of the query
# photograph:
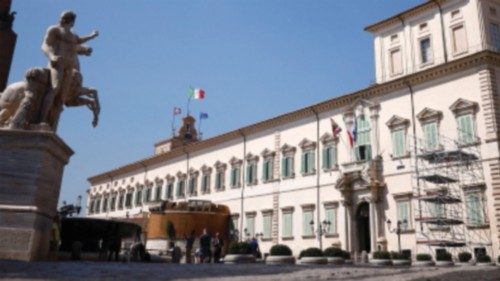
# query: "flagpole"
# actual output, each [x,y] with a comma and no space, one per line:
[173,125]
[199,128]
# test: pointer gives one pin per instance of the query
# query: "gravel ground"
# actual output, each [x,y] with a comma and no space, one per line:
[13,270]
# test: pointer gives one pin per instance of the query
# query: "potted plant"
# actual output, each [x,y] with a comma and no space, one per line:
[444,258]
[239,252]
[334,255]
[312,256]
[280,254]
[424,260]
[402,258]
[484,260]
[381,258]
[464,258]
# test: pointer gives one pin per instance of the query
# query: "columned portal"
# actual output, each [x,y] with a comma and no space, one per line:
[363,227]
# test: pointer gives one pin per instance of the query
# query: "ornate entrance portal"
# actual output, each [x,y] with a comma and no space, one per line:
[363,227]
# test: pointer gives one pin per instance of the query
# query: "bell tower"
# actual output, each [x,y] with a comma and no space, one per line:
[7,41]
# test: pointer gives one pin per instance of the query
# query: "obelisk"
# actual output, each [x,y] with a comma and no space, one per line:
[7,41]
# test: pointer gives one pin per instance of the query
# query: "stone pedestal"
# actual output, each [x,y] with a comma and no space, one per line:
[31,169]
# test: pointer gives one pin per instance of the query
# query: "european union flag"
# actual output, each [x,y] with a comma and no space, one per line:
[203,115]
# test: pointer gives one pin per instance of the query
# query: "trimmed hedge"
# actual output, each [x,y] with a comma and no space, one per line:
[484,259]
[280,250]
[311,252]
[347,256]
[424,257]
[464,256]
[239,248]
[333,252]
[382,255]
[398,256]
[443,256]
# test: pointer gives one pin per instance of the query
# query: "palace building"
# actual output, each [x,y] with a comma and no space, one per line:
[426,154]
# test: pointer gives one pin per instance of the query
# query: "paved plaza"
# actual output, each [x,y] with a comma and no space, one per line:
[12,270]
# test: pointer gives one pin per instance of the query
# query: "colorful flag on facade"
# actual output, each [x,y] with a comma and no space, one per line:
[197,94]
[352,134]
[335,128]
[203,115]
[177,110]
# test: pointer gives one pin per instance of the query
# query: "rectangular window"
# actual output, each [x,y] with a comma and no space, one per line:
[234,221]
[308,162]
[329,157]
[158,193]
[235,177]
[120,201]
[266,227]
[181,187]
[331,218]
[91,206]
[425,50]
[205,183]
[287,167]
[495,36]
[105,205]
[219,180]
[113,203]
[396,62]
[474,209]
[431,136]
[250,227]
[459,39]
[267,170]
[307,217]
[170,190]
[466,133]
[437,210]
[398,143]
[287,225]
[403,213]
[147,195]
[128,200]
[97,206]
[363,150]
[251,175]
[192,185]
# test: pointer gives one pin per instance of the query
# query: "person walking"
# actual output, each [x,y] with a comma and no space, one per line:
[217,244]
[205,244]
[189,246]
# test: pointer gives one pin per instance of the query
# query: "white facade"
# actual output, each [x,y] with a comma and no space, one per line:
[355,190]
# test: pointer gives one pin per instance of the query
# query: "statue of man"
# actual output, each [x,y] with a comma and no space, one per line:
[62,48]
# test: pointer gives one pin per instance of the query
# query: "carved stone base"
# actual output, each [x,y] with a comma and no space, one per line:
[31,169]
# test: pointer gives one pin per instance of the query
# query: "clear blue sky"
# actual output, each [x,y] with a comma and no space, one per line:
[256,59]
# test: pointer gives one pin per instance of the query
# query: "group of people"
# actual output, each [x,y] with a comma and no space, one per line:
[210,248]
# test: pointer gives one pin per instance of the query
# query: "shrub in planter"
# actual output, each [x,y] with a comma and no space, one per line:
[406,254]
[382,255]
[333,252]
[311,252]
[239,248]
[443,256]
[484,259]
[280,250]
[424,257]
[347,256]
[398,256]
[464,257]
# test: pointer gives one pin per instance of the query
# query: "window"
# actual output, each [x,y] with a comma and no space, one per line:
[363,150]
[251,175]
[455,14]
[193,182]
[331,219]
[398,143]
[235,222]
[430,136]
[128,200]
[437,210]
[474,206]
[266,225]
[493,11]
[235,176]
[220,174]
[308,162]
[466,133]
[425,51]
[113,203]
[105,205]
[120,201]
[459,39]
[250,226]
[158,191]
[403,213]
[181,188]
[267,169]
[307,217]
[396,62]
[287,230]
[91,206]
[205,183]
[147,194]
[495,36]
[329,157]
[97,206]
[138,197]
[394,38]
[287,161]
[170,190]
[423,26]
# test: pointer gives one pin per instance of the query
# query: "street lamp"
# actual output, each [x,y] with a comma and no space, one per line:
[400,225]
[322,229]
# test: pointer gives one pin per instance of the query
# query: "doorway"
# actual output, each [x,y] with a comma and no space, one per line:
[363,227]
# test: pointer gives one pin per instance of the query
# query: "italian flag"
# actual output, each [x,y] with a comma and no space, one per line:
[197,94]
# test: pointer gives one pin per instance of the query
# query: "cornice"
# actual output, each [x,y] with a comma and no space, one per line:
[483,59]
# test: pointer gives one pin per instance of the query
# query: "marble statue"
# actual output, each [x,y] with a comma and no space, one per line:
[38,101]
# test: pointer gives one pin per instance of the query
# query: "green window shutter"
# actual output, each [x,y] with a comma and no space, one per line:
[398,143]
[325,155]
[248,173]
[303,162]
[265,170]
[334,155]
[306,226]
[267,226]
[312,161]
[330,217]
[233,177]
[283,167]
[251,226]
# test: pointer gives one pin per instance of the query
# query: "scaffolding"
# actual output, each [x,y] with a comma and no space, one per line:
[445,174]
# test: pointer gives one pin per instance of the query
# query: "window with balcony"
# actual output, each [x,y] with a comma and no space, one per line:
[363,148]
